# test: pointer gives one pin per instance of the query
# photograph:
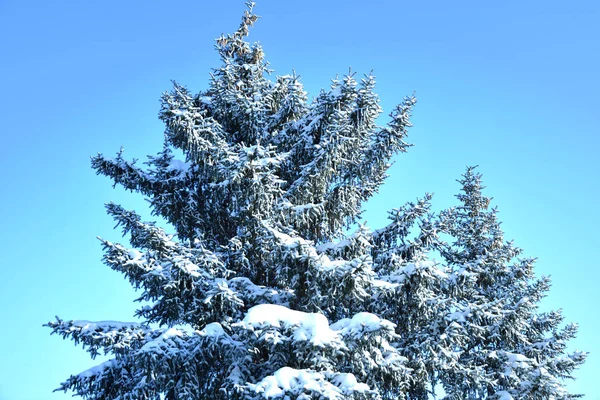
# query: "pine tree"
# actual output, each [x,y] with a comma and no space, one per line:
[263,292]
[510,349]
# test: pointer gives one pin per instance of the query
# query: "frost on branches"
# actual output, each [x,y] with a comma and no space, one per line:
[263,294]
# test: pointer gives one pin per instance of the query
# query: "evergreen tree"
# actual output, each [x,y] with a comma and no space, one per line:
[263,293]
[509,349]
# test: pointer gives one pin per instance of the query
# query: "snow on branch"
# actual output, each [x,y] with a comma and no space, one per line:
[109,336]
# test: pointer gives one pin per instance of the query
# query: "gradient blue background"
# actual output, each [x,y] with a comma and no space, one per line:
[512,86]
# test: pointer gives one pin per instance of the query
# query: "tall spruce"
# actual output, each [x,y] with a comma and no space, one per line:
[509,348]
[262,292]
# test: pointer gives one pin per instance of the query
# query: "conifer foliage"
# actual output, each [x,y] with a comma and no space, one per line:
[261,292]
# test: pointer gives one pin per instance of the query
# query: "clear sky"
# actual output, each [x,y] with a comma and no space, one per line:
[509,85]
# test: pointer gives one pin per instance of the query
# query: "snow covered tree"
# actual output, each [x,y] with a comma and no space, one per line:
[510,349]
[262,292]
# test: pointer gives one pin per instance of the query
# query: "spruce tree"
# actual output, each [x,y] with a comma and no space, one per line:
[269,286]
[510,349]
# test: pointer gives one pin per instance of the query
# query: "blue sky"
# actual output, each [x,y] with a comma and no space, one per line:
[509,86]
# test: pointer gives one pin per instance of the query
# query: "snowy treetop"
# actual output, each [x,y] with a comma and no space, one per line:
[271,288]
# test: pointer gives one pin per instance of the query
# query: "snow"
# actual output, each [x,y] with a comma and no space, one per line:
[287,240]
[180,262]
[333,246]
[91,326]
[187,266]
[311,327]
[294,381]
[134,255]
[322,261]
[512,361]
[264,162]
[299,209]
[361,323]
[516,358]
[213,330]
[260,156]
[246,287]
[97,370]
[424,268]
[358,236]
[165,341]
[459,316]
[329,265]
[348,383]
[179,166]
[504,395]
[314,122]
[384,285]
